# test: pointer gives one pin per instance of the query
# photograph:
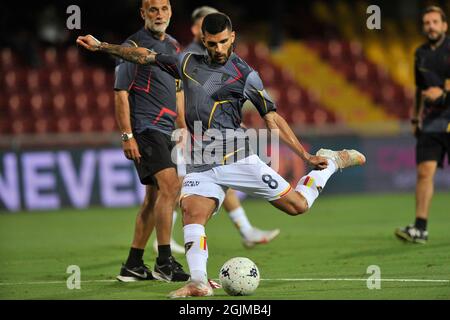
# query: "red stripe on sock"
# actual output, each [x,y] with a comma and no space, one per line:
[305,183]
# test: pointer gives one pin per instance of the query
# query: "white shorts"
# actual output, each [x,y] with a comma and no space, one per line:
[249,175]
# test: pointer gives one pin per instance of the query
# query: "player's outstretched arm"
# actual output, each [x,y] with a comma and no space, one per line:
[136,55]
[274,121]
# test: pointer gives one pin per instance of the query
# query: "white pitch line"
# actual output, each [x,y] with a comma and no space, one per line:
[283,279]
[359,279]
[49,282]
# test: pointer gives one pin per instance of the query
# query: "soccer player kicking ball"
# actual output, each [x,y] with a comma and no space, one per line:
[216,85]
[250,234]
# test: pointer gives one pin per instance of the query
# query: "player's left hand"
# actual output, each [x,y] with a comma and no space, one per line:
[89,42]
[318,162]
[432,93]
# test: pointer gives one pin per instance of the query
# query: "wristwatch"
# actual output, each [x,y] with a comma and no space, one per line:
[414,121]
[126,136]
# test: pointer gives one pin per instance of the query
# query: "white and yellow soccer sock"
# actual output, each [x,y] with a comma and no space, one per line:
[312,184]
[241,221]
[196,251]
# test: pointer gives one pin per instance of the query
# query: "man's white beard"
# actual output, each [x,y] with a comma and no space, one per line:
[158,29]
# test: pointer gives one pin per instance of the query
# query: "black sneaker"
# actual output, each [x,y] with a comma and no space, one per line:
[170,271]
[138,273]
[412,234]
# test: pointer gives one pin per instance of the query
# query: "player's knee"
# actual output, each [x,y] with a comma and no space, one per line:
[191,214]
[424,174]
[170,189]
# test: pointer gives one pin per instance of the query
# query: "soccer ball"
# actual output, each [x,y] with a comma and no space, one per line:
[239,276]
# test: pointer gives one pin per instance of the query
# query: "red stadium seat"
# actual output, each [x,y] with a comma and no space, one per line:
[55,79]
[261,51]
[83,104]
[98,79]
[250,51]
[22,126]
[45,125]
[287,78]
[66,124]
[380,74]
[80,79]
[33,81]
[368,88]
[242,50]
[318,46]
[105,102]
[387,94]
[7,60]
[50,56]
[38,80]
[361,71]
[344,68]
[334,50]
[409,96]
[110,80]
[40,105]
[108,123]
[15,81]
[72,58]
[298,117]
[294,96]
[356,50]
[252,119]
[60,104]
[87,124]
[18,106]
[268,74]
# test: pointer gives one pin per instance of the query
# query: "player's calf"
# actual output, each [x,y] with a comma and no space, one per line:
[292,203]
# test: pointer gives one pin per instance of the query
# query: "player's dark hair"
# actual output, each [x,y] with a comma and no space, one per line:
[436,9]
[215,23]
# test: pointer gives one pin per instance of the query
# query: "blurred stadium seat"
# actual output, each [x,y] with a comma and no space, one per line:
[67,94]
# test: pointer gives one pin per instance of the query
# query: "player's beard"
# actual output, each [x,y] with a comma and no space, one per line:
[158,29]
[214,59]
[434,40]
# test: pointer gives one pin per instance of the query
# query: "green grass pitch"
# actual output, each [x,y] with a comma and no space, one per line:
[338,239]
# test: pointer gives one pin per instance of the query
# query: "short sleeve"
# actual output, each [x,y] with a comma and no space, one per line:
[255,92]
[124,73]
[171,63]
